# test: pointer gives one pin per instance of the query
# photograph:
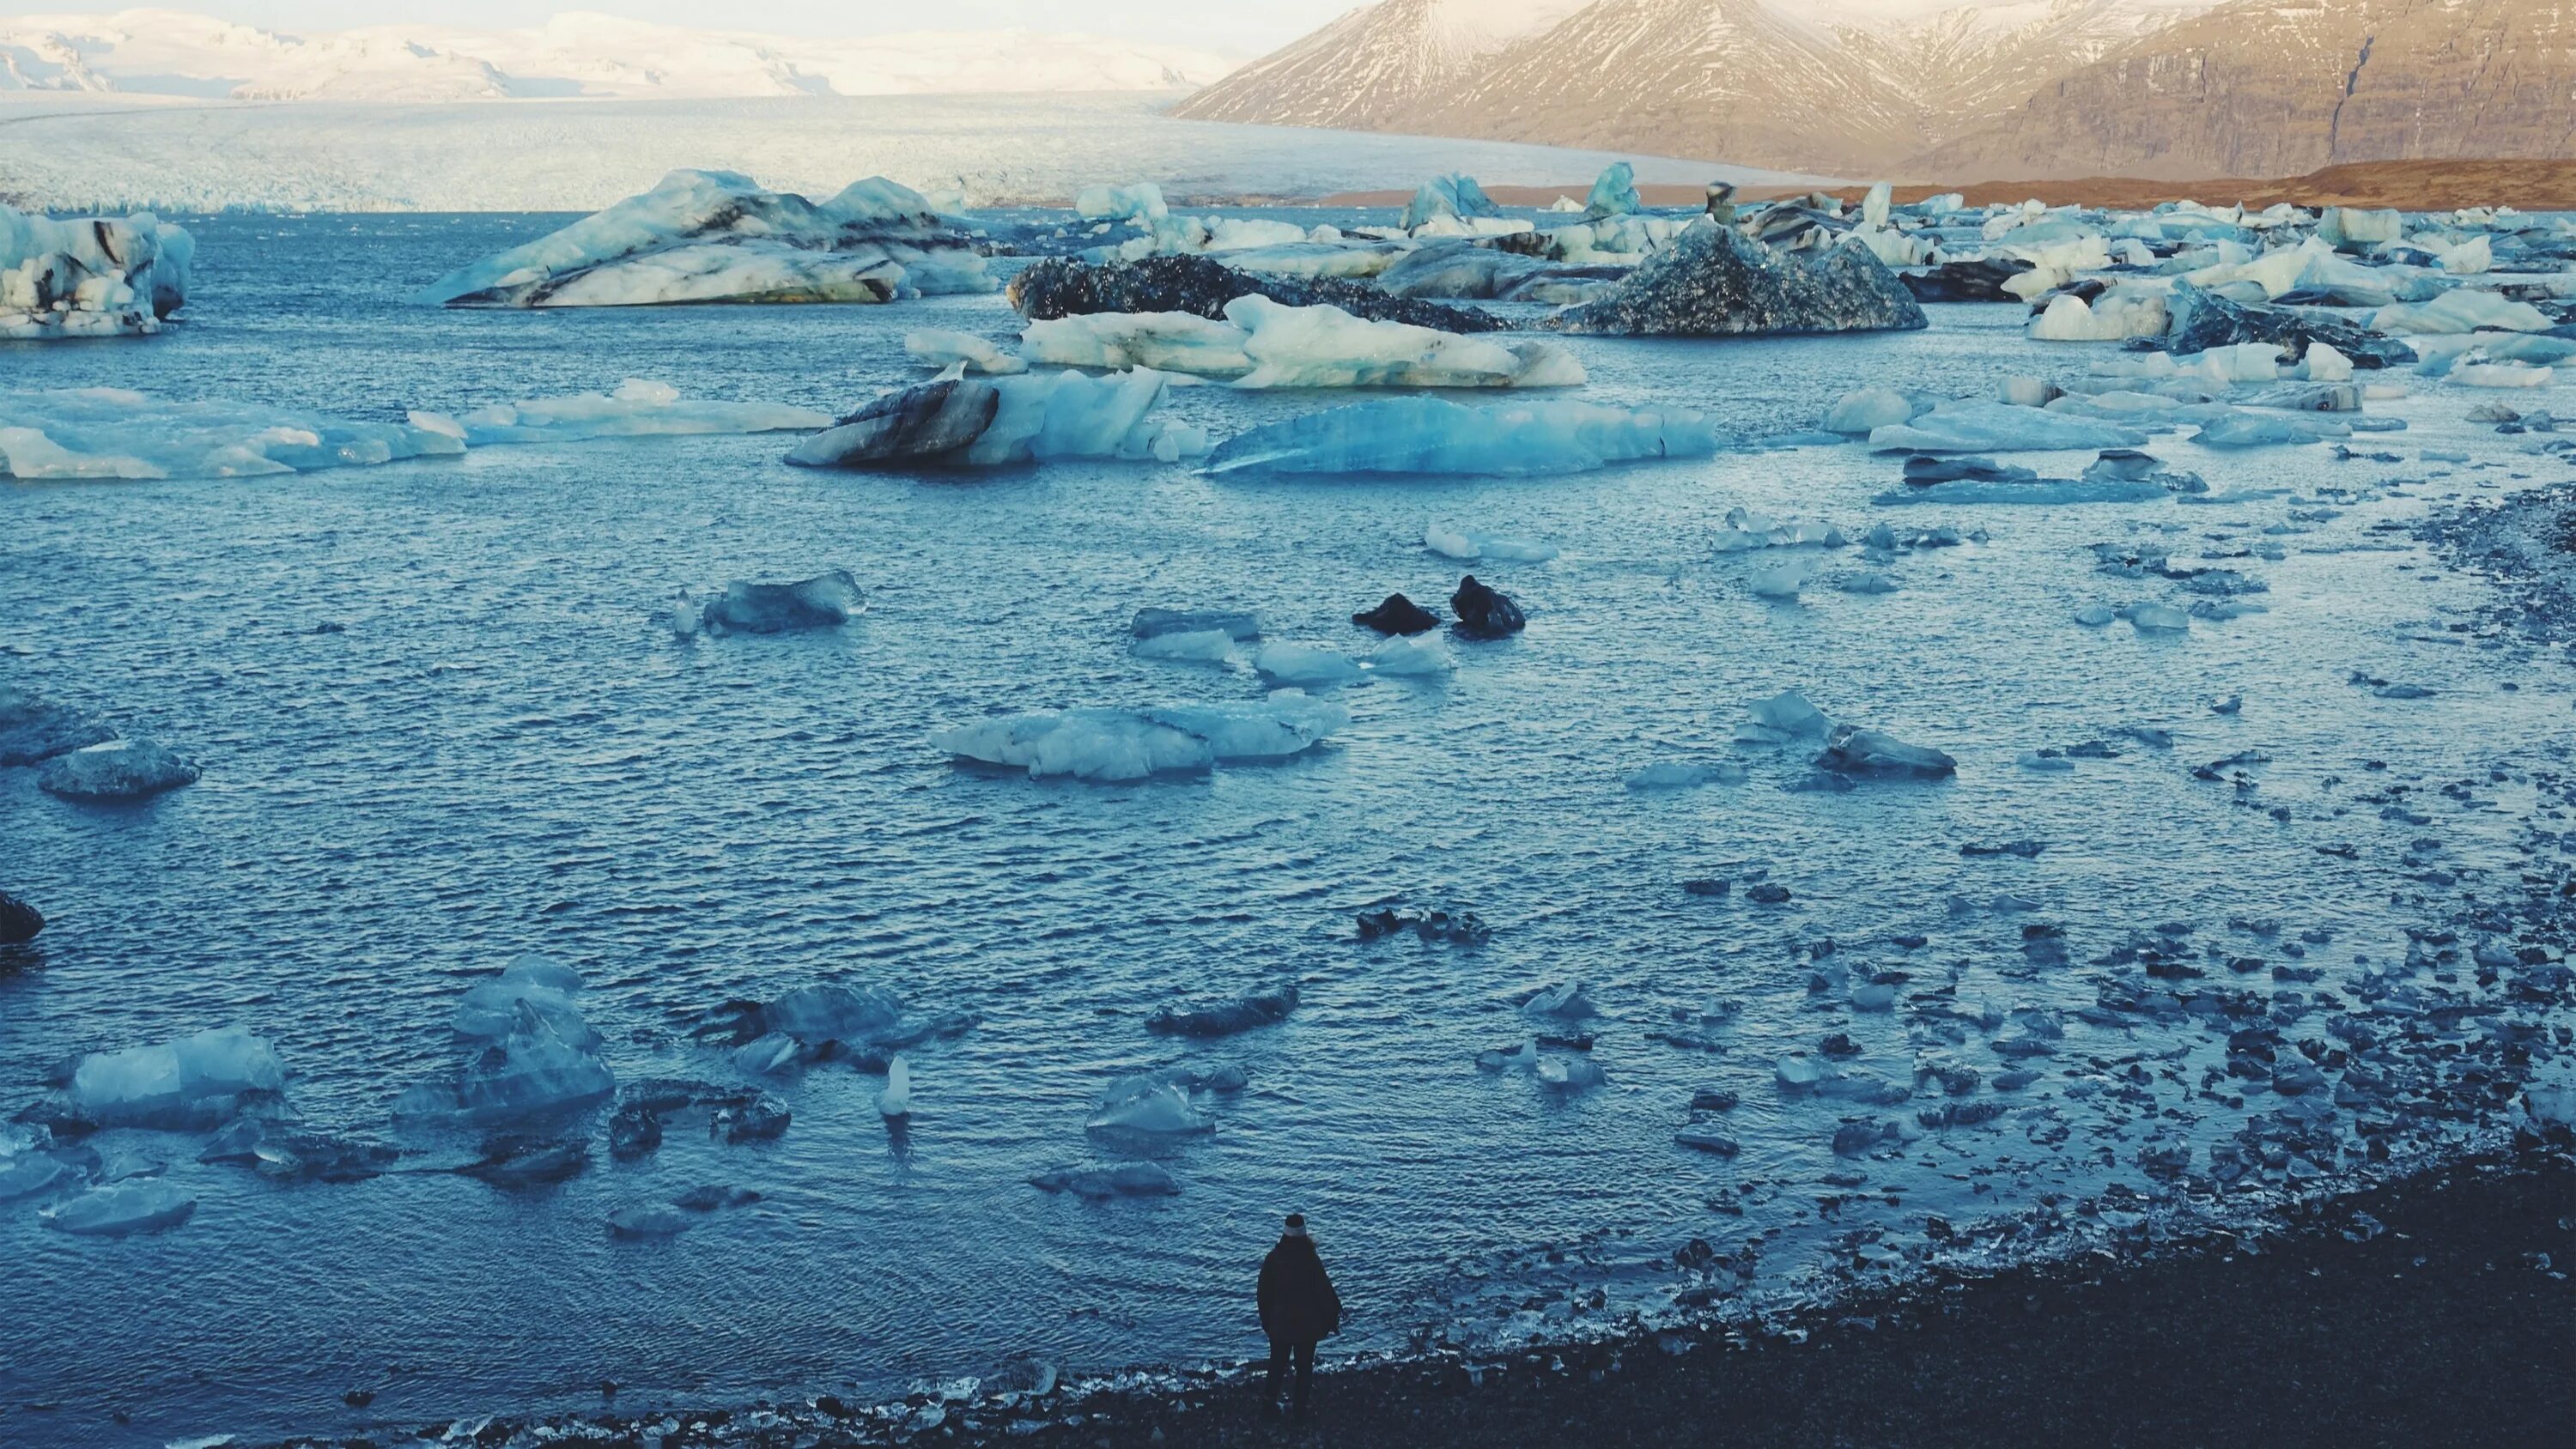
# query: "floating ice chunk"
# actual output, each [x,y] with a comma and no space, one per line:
[1614,192]
[2045,763]
[1988,427]
[2500,374]
[1114,744]
[1789,713]
[1850,750]
[2353,228]
[716,236]
[1303,665]
[1782,578]
[2094,616]
[1169,341]
[2469,258]
[1324,346]
[637,409]
[1159,1109]
[1434,436]
[2254,430]
[2324,364]
[489,1010]
[2117,314]
[2156,618]
[89,276]
[106,432]
[116,770]
[1455,197]
[2462,309]
[1866,409]
[1471,546]
[1193,646]
[973,423]
[825,601]
[1570,1073]
[531,1070]
[1103,202]
[1419,657]
[895,1102]
[940,347]
[1675,775]
[831,1012]
[192,1082]
[138,1205]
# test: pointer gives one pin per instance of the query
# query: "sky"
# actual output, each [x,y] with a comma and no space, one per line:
[1245,27]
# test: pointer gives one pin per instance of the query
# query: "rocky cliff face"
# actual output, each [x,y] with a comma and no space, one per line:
[1948,91]
[2284,87]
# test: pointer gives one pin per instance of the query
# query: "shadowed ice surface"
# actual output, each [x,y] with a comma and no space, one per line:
[505,750]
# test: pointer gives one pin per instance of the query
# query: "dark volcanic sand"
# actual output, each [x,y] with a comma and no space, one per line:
[2453,1321]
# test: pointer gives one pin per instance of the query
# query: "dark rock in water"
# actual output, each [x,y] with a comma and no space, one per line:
[761,1119]
[632,1132]
[1715,281]
[1925,469]
[1484,613]
[116,770]
[32,730]
[1464,927]
[1234,624]
[1261,1008]
[1398,615]
[907,427]
[2203,320]
[1767,894]
[1851,750]
[821,602]
[1978,279]
[1065,287]
[19,921]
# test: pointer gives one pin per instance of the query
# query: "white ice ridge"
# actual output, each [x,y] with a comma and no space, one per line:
[89,276]
[638,408]
[107,432]
[1263,344]
[1432,435]
[719,236]
[1136,744]
[960,422]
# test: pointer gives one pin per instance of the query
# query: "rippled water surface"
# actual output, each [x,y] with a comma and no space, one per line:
[505,750]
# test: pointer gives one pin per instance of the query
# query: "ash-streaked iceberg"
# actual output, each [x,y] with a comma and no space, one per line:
[1715,281]
[719,236]
[962,422]
[89,276]
[1434,436]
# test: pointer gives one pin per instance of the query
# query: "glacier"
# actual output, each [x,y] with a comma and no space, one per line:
[719,236]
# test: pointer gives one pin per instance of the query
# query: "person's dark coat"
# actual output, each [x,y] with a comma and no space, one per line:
[1298,1304]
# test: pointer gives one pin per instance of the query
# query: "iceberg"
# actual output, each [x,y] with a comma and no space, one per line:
[532,1069]
[1455,197]
[940,347]
[137,1205]
[1866,409]
[108,432]
[2203,321]
[718,236]
[2112,317]
[895,1103]
[89,276]
[1193,646]
[1411,658]
[2501,374]
[1471,546]
[1434,436]
[1162,1109]
[1165,341]
[1614,193]
[1136,744]
[1069,287]
[637,409]
[2461,310]
[1141,201]
[1324,346]
[825,601]
[1303,665]
[1851,750]
[490,1009]
[116,770]
[1715,281]
[1991,427]
[960,422]
[196,1081]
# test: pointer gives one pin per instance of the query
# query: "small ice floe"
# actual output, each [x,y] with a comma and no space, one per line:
[137,1205]
[544,1060]
[1265,1007]
[939,347]
[1853,751]
[1678,775]
[825,601]
[1991,427]
[116,770]
[111,432]
[197,1081]
[637,409]
[1411,658]
[1136,744]
[1471,546]
[894,1103]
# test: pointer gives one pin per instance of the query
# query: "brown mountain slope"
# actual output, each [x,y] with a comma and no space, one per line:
[2282,87]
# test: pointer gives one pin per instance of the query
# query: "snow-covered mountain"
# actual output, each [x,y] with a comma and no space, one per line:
[165,52]
[1878,87]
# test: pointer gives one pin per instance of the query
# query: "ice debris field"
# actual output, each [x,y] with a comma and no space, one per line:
[1635,765]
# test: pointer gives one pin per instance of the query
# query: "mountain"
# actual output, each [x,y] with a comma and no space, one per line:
[2285,87]
[1956,89]
[163,52]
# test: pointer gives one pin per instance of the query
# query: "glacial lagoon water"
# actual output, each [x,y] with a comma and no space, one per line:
[503,749]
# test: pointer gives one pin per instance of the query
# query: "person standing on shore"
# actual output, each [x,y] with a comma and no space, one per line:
[1298,1309]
